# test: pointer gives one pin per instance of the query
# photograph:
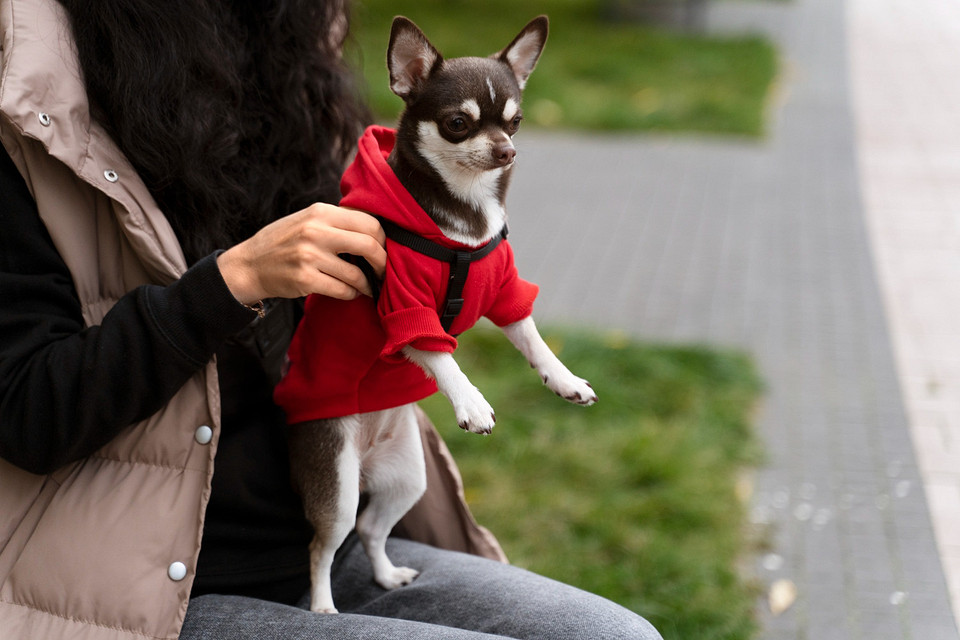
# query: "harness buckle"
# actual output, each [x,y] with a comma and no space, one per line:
[452,309]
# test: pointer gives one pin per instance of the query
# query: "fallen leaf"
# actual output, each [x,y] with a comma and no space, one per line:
[783,593]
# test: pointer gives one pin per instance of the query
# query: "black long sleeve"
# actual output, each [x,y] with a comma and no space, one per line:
[66,390]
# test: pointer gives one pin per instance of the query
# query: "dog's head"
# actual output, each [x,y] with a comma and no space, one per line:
[464,110]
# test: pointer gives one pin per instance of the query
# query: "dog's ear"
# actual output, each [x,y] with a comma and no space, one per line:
[522,54]
[410,58]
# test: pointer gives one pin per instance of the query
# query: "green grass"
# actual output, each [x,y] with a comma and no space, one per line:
[634,498]
[593,75]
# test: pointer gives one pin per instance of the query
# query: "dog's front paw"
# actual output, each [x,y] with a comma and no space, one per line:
[570,387]
[474,413]
[397,577]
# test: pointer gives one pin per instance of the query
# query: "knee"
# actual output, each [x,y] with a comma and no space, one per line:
[626,626]
[585,615]
[567,612]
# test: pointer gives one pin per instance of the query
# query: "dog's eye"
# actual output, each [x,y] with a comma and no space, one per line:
[515,123]
[456,124]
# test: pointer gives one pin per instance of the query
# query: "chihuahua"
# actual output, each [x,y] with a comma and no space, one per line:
[356,368]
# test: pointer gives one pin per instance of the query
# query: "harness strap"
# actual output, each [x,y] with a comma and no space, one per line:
[459,262]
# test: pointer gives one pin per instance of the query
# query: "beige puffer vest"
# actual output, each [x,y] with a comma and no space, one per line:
[92,552]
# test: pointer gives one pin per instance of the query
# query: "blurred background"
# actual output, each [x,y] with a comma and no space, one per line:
[617,65]
[744,217]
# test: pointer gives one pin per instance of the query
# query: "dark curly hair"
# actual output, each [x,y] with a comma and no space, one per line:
[234,112]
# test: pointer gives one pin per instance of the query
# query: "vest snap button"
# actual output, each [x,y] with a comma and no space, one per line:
[177,571]
[203,434]
[111,175]
[44,118]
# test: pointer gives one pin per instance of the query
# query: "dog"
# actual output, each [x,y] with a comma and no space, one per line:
[357,367]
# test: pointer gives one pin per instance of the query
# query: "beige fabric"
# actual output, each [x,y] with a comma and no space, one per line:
[84,552]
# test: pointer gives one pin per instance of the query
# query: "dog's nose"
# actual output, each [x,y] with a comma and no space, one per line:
[503,154]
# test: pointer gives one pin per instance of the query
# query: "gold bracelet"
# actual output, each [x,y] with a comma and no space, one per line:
[258,307]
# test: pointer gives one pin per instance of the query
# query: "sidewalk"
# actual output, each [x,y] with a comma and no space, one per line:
[764,246]
[906,60]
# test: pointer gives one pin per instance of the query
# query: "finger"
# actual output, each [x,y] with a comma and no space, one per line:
[377,257]
[364,246]
[362,222]
[368,225]
[327,285]
[347,219]
[346,272]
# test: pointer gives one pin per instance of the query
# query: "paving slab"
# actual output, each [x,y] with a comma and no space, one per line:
[761,246]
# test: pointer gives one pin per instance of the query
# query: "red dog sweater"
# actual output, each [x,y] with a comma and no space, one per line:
[345,357]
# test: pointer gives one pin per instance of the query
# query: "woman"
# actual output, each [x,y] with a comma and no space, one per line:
[150,266]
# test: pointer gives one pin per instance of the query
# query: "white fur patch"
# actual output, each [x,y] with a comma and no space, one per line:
[525,337]
[461,168]
[510,110]
[471,108]
[493,92]
[473,411]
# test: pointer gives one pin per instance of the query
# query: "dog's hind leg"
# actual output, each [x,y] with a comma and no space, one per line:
[325,468]
[394,476]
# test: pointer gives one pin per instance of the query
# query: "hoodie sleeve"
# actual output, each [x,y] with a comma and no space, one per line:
[514,301]
[408,304]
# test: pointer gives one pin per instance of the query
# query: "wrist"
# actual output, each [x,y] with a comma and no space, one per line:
[239,278]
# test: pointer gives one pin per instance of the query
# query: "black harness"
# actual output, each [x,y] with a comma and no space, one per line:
[459,262]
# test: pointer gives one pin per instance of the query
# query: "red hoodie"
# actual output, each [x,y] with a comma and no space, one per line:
[345,357]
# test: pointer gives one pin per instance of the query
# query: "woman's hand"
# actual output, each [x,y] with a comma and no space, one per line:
[299,254]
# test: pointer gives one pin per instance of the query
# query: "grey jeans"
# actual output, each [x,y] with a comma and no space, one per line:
[456,597]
